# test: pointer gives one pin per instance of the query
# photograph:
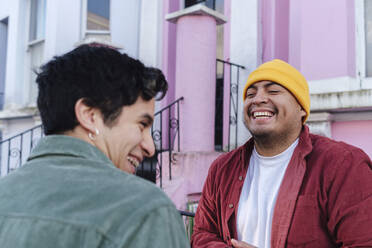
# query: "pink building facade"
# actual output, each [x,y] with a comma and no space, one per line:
[206,51]
[321,39]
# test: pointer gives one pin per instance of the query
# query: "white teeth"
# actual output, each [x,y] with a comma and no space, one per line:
[133,161]
[262,114]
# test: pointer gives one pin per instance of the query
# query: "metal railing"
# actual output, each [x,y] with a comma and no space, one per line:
[15,150]
[166,136]
[227,74]
[188,221]
[186,213]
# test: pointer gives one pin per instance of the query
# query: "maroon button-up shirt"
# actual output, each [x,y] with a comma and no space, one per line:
[325,199]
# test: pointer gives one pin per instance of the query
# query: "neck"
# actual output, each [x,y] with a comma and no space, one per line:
[270,146]
[80,133]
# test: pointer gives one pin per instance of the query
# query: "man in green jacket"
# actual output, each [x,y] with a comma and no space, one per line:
[77,188]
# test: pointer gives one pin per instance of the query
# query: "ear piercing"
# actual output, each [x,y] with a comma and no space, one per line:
[90,135]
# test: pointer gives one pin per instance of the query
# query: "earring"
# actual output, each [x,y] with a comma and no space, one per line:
[90,135]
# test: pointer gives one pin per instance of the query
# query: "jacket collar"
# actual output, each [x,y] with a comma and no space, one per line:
[304,146]
[67,146]
[246,152]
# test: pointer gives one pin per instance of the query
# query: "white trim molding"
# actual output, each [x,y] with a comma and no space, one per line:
[320,123]
[359,99]
[360,45]
[331,85]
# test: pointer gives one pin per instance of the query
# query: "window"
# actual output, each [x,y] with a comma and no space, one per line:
[208,3]
[98,15]
[368,36]
[363,38]
[3,55]
[37,20]
[36,36]
[213,4]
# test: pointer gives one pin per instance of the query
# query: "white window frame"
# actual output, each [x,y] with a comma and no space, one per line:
[29,23]
[84,16]
[34,52]
[360,44]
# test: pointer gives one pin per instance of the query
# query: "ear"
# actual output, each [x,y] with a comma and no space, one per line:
[86,116]
[303,112]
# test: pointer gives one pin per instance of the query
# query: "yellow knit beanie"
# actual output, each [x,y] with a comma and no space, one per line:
[287,76]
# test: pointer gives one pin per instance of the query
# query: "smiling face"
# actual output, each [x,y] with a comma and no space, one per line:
[129,140]
[271,111]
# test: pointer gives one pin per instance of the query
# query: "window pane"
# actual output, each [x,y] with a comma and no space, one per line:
[37,20]
[98,17]
[219,6]
[212,4]
[3,55]
[368,31]
[189,3]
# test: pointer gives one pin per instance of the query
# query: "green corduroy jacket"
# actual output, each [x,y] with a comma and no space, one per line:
[69,194]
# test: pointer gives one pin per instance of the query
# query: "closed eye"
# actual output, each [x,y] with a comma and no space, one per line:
[274,91]
[146,121]
[144,124]
[250,95]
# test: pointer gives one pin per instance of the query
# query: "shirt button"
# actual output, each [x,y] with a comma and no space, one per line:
[231,205]
[240,178]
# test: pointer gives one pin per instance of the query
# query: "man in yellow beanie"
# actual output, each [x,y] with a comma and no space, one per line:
[285,187]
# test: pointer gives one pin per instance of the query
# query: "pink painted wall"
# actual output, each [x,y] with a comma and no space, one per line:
[267,19]
[275,29]
[294,53]
[281,29]
[169,50]
[351,54]
[322,38]
[317,37]
[169,63]
[189,171]
[196,80]
[357,133]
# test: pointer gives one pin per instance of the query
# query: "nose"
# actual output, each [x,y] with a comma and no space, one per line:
[148,146]
[260,97]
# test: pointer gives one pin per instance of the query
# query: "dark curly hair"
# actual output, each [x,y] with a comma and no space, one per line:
[103,77]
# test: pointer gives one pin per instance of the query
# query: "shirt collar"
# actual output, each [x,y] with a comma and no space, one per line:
[304,146]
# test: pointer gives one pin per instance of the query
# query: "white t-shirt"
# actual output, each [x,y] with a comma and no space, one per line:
[258,196]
